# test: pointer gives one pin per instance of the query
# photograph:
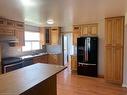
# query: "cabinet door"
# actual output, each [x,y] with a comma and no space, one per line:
[2,22]
[109,32]
[55,36]
[36,60]
[118,31]
[10,24]
[20,37]
[118,64]
[7,32]
[109,63]
[76,33]
[52,59]
[85,30]
[73,63]
[93,29]
[44,59]
[19,25]
[42,36]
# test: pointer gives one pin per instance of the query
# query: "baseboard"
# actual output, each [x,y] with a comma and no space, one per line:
[100,76]
[124,85]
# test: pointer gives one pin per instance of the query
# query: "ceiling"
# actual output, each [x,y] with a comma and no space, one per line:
[63,12]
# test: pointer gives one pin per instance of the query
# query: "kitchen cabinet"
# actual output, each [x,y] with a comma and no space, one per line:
[42,36]
[6,32]
[90,29]
[41,59]
[45,36]
[73,62]
[50,35]
[12,28]
[19,34]
[114,49]
[55,59]
[19,25]
[2,22]
[76,33]
[10,24]
[55,33]
[0,60]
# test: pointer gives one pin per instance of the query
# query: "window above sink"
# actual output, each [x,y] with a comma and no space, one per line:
[32,41]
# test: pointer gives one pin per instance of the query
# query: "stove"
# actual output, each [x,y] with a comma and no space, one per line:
[11,63]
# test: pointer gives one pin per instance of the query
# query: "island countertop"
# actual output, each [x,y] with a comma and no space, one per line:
[21,80]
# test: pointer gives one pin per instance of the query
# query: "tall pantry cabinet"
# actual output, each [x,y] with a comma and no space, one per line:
[114,31]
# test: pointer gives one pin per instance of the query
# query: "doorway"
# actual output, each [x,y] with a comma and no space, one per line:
[67,48]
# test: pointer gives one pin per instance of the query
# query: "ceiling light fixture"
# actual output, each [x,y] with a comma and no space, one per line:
[50,21]
[28,2]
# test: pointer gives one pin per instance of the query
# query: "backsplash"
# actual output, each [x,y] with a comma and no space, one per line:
[54,49]
[8,51]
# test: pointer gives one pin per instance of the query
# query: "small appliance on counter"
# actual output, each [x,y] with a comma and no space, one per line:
[87,56]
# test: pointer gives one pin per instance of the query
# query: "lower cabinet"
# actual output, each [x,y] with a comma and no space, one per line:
[49,58]
[41,59]
[55,59]
[73,62]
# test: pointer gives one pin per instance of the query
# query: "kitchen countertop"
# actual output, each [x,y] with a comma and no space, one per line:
[31,56]
[21,80]
[36,55]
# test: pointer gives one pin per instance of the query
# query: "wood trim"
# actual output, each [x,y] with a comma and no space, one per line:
[115,17]
[100,76]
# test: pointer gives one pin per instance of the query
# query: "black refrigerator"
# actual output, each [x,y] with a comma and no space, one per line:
[87,56]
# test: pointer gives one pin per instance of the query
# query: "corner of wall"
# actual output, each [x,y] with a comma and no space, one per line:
[124,85]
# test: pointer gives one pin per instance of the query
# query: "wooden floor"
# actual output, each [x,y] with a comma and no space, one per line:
[73,84]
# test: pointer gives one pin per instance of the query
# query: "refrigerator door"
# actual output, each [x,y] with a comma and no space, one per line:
[80,49]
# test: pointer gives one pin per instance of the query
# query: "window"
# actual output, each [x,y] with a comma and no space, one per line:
[32,41]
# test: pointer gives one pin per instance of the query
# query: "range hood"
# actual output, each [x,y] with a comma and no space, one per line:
[10,40]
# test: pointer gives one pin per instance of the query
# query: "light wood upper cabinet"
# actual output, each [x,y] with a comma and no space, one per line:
[50,35]
[85,30]
[94,29]
[114,49]
[0,60]
[3,22]
[7,32]
[76,33]
[118,35]
[89,29]
[12,28]
[10,24]
[19,25]
[19,33]
[42,36]
[55,33]
[109,32]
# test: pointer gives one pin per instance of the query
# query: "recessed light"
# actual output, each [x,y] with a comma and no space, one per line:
[28,2]
[50,21]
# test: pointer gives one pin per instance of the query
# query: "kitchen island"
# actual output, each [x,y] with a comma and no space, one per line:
[37,79]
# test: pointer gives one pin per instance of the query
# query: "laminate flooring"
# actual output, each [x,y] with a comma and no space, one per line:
[69,83]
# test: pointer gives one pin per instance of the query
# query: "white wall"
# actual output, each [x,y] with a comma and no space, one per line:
[101,32]
[125,55]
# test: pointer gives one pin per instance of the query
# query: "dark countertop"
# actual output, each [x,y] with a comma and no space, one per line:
[31,56]
[19,81]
